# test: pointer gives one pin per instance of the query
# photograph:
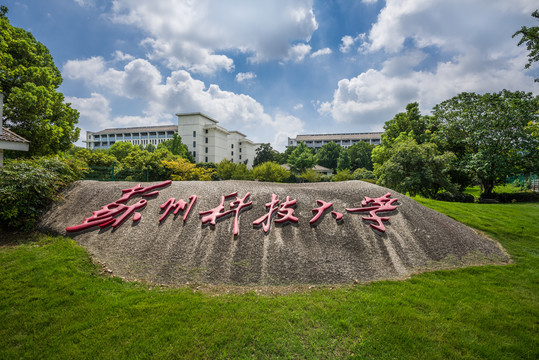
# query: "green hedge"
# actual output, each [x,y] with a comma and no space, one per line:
[29,186]
[454,197]
[514,197]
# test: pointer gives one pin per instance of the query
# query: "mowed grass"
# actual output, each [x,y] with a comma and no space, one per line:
[55,304]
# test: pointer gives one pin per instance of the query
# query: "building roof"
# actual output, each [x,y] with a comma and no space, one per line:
[7,135]
[197,113]
[330,137]
[137,129]
[316,168]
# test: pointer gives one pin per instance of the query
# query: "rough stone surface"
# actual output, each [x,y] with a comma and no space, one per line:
[416,238]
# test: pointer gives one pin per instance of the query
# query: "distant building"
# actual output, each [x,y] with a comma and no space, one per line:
[207,141]
[8,139]
[345,140]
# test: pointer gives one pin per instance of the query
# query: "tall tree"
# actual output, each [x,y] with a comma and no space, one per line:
[29,80]
[361,155]
[301,159]
[177,147]
[265,153]
[328,155]
[489,133]
[530,36]
[344,160]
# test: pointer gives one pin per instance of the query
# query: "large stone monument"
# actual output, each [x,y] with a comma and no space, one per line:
[252,233]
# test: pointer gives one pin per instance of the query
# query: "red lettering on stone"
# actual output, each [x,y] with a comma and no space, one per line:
[106,216]
[172,205]
[320,210]
[237,206]
[381,204]
[211,216]
[286,212]
[272,208]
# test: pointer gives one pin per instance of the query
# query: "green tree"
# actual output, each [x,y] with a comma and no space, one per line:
[282,158]
[328,155]
[228,170]
[176,147]
[121,149]
[530,36]
[29,81]
[361,155]
[150,148]
[142,159]
[344,160]
[343,175]
[99,158]
[301,159]
[265,153]
[271,172]
[489,133]
[416,168]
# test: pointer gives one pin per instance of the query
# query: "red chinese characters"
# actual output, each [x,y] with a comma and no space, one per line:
[319,211]
[381,204]
[285,213]
[212,215]
[175,206]
[116,212]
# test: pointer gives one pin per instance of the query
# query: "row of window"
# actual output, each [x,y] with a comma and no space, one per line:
[160,135]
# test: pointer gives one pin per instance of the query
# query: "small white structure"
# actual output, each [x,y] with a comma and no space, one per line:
[345,140]
[209,142]
[8,139]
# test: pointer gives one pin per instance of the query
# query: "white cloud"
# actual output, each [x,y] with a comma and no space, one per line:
[190,34]
[240,77]
[298,106]
[469,55]
[179,92]
[121,56]
[285,126]
[348,41]
[297,53]
[325,51]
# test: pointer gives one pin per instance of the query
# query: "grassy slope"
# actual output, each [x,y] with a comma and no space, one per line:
[54,304]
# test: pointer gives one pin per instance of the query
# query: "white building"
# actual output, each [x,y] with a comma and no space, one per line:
[210,142]
[8,139]
[207,141]
[345,140]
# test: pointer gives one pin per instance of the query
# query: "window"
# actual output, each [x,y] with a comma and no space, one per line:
[240,149]
[195,154]
[240,157]
[206,156]
[194,134]
[232,146]
[232,153]
[206,150]
[194,144]
[206,140]
[206,131]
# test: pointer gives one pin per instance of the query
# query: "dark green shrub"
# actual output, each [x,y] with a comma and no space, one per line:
[528,196]
[29,186]
[454,197]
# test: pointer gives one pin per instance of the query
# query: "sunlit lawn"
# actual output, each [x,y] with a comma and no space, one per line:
[55,304]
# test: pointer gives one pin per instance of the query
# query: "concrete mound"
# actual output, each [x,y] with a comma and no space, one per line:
[290,251]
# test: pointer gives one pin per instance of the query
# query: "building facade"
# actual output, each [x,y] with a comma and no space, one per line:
[345,140]
[8,139]
[207,141]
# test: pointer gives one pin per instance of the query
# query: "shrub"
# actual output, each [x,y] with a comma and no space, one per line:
[28,187]
[310,175]
[528,196]
[454,197]
[343,175]
[182,169]
[362,174]
[270,171]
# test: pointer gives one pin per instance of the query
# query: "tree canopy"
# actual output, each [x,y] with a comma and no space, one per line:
[29,80]
[328,155]
[301,159]
[530,37]
[265,153]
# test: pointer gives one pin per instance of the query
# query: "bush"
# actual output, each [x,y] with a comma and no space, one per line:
[343,175]
[271,172]
[454,197]
[28,187]
[528,196]
[310,175]
[362,174]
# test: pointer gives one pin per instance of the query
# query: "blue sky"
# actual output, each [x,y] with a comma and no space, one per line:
[276,68]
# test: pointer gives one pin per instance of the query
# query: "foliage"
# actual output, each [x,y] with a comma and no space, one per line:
[454,197]
[415,168]
[142,159]
[282,158]
[343,175]
[182,170]
[99,158]
[176,147]
[29,80]
[301,159]
[271,172]
[488,133]
[361,155]
[265,153]
[530,36]
[150,148]
[344,160]
[228,170]
[28,186]
[362,174]
[120,149]
[328,155]
[310,175]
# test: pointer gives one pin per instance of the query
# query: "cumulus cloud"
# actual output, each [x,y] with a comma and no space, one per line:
[240,77]
[297,53]
[166,96]
[325,51]
[348,41]
[190,34]
[451,51]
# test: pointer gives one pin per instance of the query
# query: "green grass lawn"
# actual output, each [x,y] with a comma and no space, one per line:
[55,304]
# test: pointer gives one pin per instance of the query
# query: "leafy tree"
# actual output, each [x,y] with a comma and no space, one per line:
[176,147]
[265,153]
[530,36]
[343,175]
[344,160]
[228,170]
[362,173]
[361,155]
[121,149]
[29,81]
[416,168]
[310,175]
[271,172]
[489,133]
[142,159]
[301,159]
[150,148]
[328,155]
[282,158]
[96,158]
